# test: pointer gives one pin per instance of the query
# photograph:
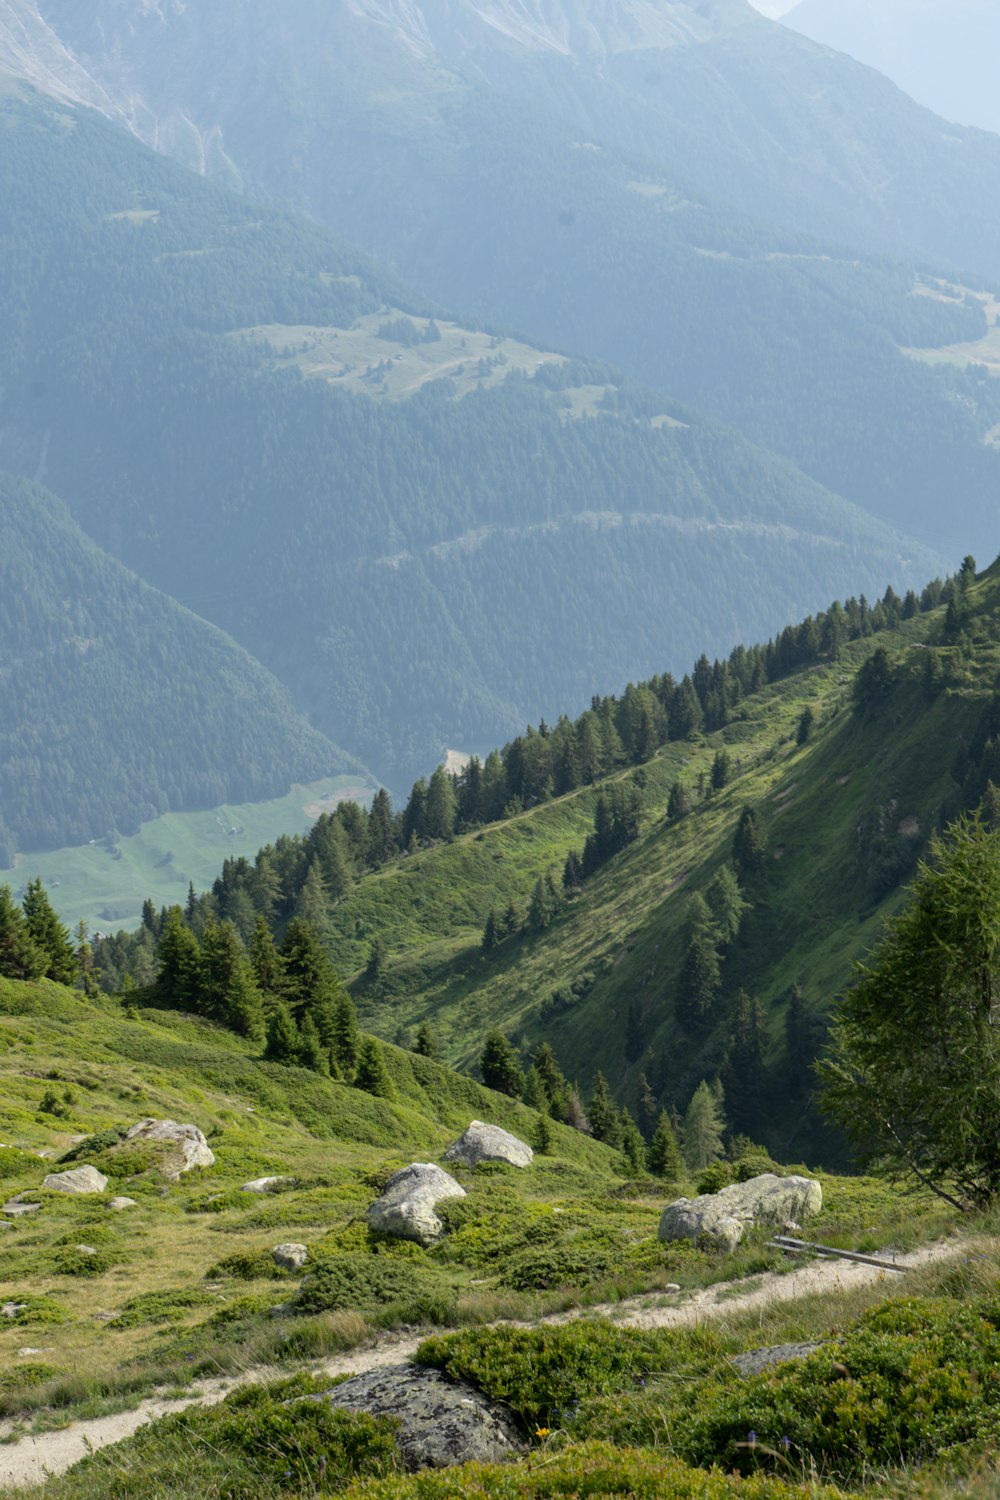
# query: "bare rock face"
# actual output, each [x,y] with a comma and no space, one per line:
[406,1208]
[721,1219]
[187,1147]
[290,1257]
[489,1143]
[440,1422]
[79,1180]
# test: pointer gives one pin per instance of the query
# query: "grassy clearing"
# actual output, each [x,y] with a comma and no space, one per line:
[105,883]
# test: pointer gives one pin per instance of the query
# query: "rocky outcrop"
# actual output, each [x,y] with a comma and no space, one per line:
[406,1208]
[440,1422]
[756,1361]
[186,1147]
[721,1219]
[77,1180]
[290,1257]
[489,1143]
[268,1185]
[19,1207]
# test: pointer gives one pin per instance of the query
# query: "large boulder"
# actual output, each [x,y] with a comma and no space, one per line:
[721,1219]
[406,1208]
[489,1143]
[440,1422]
[290,1256]
[79,1180]
[186,1146]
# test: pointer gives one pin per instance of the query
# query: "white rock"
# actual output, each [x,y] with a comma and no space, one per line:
[118,1204]
[11,1309]
[489,1143]
[189,1146]
[267,1185]
[406,1208]
[78,1180]
[290,1257]
[720,1219]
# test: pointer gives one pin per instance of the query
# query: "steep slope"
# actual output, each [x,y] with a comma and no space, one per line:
[681,189]
[115,703]
[939,53]
[427,532]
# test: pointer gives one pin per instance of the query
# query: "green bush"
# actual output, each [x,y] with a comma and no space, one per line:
[592,1470]
[717,1175]
[247,1265]
[94,1145]
[358,1281]
[913,1379]
[159,1307]
[15,1163]
[541,1374]
[17,1377]
[37,1309]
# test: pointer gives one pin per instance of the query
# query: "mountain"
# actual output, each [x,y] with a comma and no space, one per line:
[720,207]
[427,531]
[116,704]
[938,53]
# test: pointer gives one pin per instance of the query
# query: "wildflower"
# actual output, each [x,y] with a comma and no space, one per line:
[542,1432]
[784,1444]
[752,1439]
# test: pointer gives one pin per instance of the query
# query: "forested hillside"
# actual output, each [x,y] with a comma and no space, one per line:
[701,196]
[116,704]
[423,572]
[678,882]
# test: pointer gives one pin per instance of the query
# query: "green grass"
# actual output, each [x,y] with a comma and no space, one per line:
[106,889]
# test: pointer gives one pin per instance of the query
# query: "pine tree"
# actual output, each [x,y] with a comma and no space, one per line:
[426,1044]
[805,726]
[20,957]
[372,1074]
[284,1044]
[604,1122]
[500,1067]
[312,1053]
[229,990]
[702,1130]
[633,1146]
[312,902]
[726,903]
[178,965]
[375,967]
[346,1041]
[84,954]
[542,1137]
[664,1154]
[553,1082]
[265,961]
[749,843]
[534,1094]
[441,807]
[699,980]
[678,803]
[647,1107]
[743,1074]
[721,770]
[490,937]
[48,934]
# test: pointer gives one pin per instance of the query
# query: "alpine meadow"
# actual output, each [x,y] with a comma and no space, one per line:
[499,750]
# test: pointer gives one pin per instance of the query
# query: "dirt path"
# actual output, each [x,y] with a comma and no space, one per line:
[31,1459]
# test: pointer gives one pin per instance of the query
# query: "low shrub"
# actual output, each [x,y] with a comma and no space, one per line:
[159,1307]
[38,1310]
[587,1469]
[247,1265]
[361,1282]
[18,1377]
[15,1163]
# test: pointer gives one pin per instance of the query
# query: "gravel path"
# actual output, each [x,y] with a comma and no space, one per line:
[31,1459]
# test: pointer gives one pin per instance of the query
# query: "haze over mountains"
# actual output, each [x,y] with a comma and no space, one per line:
[428,529]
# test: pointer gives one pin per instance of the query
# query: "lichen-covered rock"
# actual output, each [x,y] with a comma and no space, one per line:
[406,1208]
[186,1145]
[19,1208]
[119,1205]
[756,1361]
[78,1180]
[722,1218]
[440,1422]
[290,1257]
[268,1185]
[489,1143]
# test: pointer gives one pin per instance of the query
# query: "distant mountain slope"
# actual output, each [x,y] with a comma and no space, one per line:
[681,189]
[941,52]
[422,572]
[115,703]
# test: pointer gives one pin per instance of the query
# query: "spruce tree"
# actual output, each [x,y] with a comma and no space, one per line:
[312,1053]
[664,1154]
[346,1040]
[535,1095]
[20,957]
[372,1074]
[284,1044]
[749,842]
[555,1085]
[647,1107]
[178,965]
[743,1073]
[633,1146]
[604,1122]
[229,990]
[426,1044]
[500,1067]
[266,962]
[678,803]
[48,934]
[726,903]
